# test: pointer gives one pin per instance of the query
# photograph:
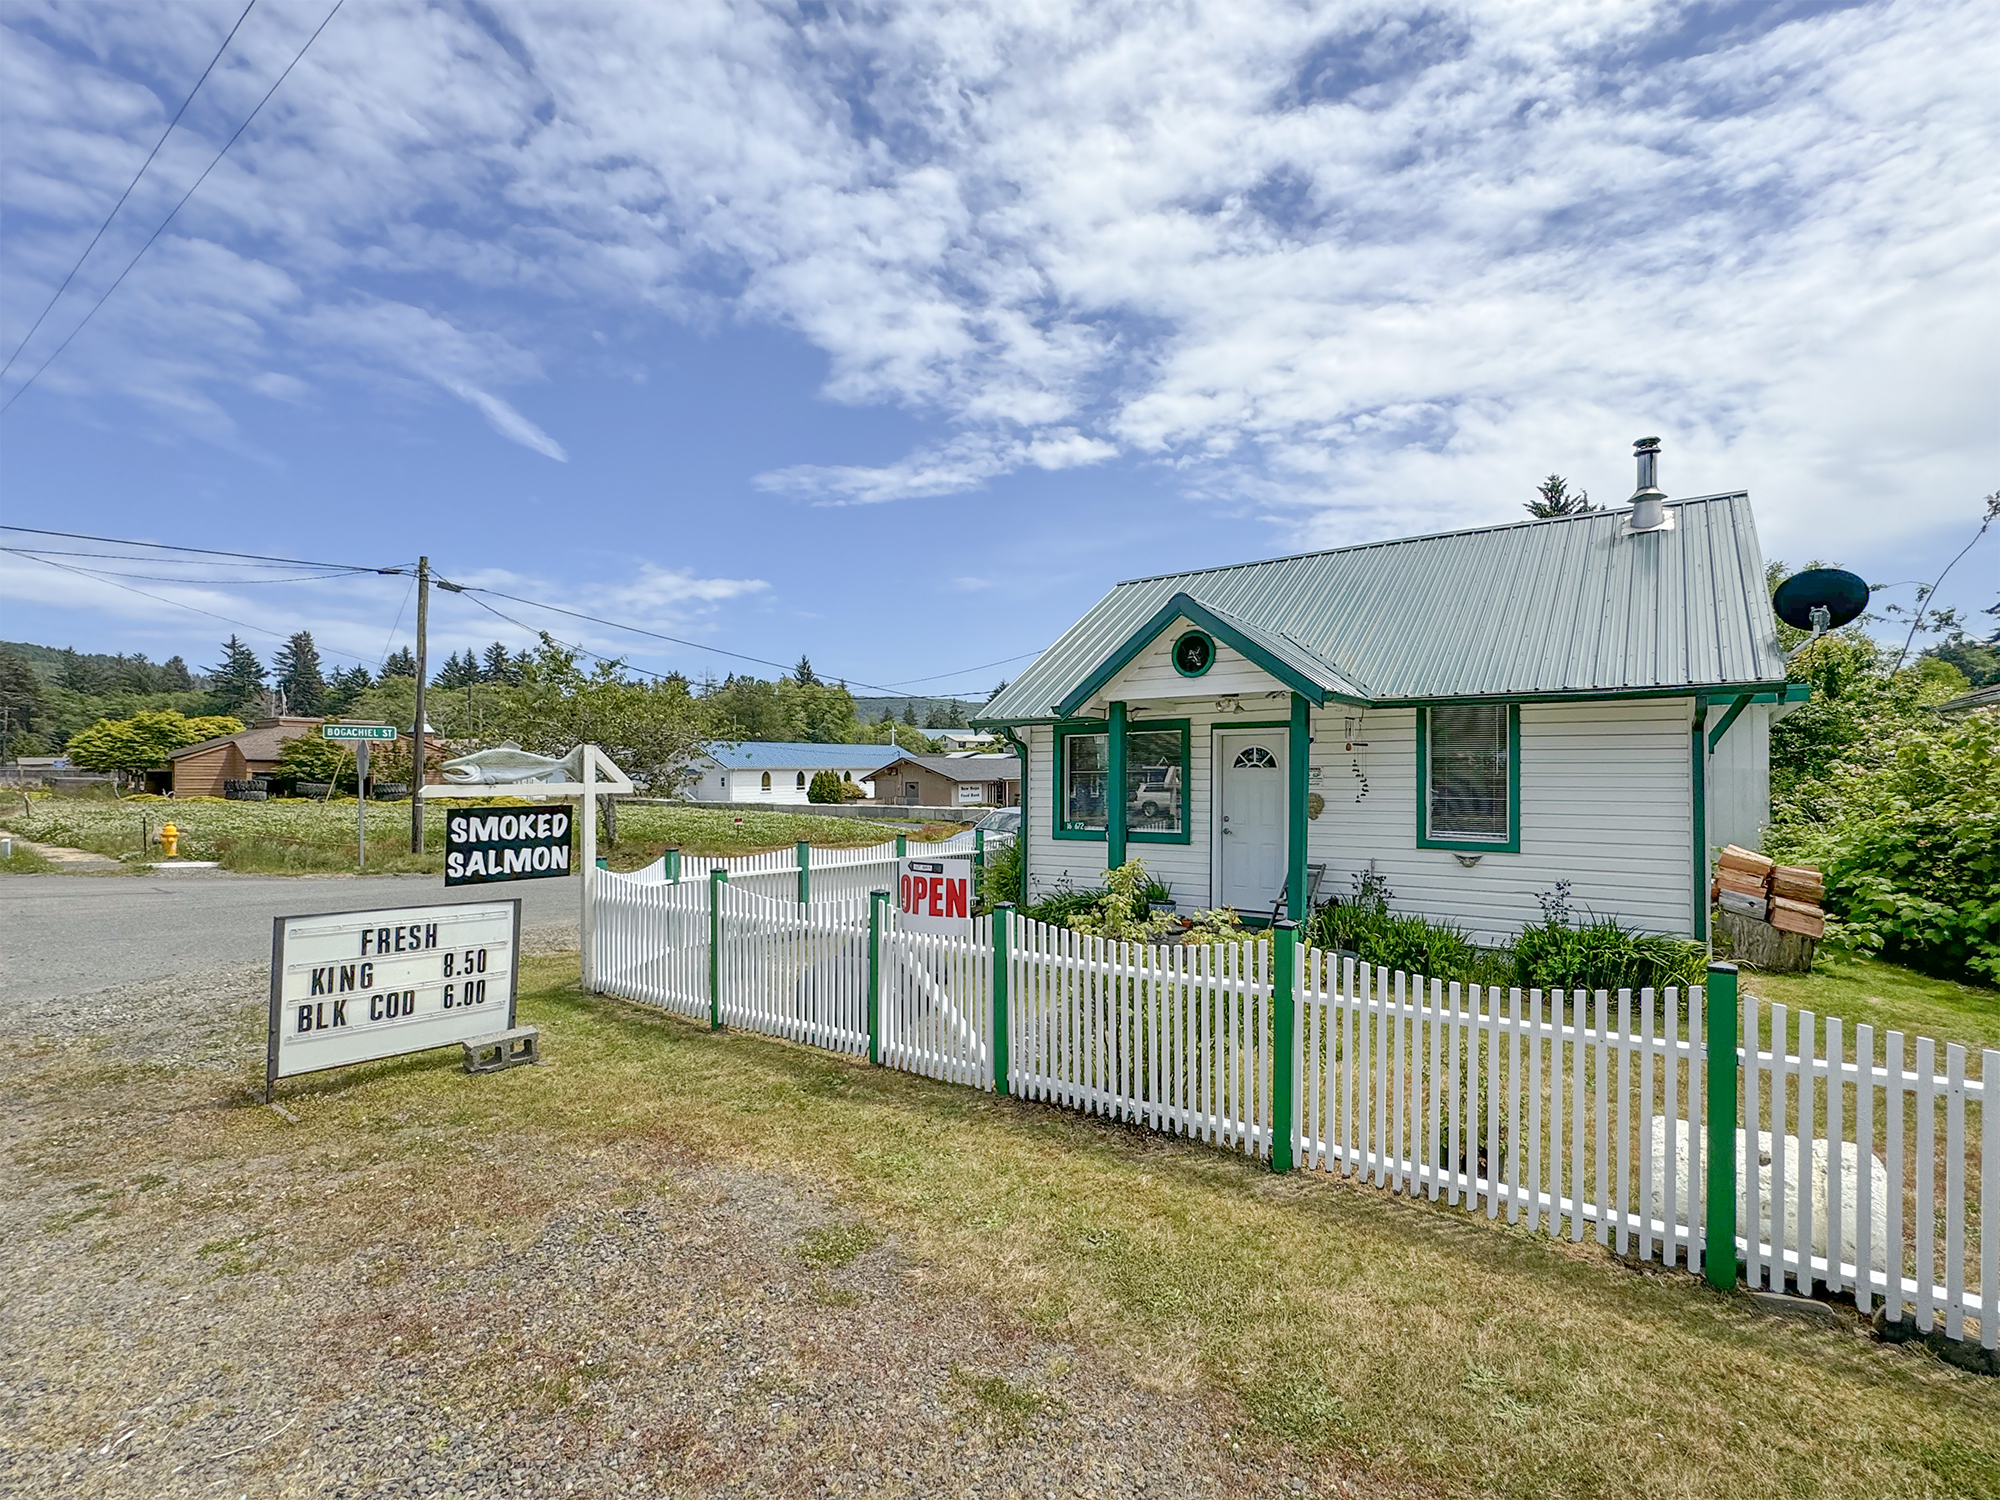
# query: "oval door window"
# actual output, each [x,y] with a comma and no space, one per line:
[1255,758]
[1194,653]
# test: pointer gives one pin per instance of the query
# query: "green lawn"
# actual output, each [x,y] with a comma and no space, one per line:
[293,836]
[1412,1347]
[1887,996]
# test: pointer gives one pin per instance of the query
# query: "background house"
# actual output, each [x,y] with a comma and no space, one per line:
[775,771]
[949,781]
[1471,717]
[955,740]
[200,769]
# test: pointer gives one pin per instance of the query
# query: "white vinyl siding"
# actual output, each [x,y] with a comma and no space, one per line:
[1739,778]
[1605,805]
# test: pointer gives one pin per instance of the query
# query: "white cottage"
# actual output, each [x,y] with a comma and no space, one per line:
[1474,716]
[779,771]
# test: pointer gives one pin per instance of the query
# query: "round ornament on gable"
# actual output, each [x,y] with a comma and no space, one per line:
[1194,653]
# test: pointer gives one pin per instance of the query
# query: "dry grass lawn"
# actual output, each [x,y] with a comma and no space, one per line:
[1387,1346]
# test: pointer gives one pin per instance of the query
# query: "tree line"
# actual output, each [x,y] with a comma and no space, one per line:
[546,699]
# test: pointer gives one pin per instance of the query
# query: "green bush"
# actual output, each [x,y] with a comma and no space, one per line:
[1903,821]
[825,787]
[1001,879]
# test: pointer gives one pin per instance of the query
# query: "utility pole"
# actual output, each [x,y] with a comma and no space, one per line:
[417,729]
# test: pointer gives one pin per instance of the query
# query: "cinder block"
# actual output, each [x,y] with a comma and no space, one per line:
[506,1049]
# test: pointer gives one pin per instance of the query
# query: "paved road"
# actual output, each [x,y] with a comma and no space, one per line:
[69,935]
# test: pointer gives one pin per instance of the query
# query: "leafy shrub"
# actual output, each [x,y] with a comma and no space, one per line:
[825,787]
[144,741]
[1362,923]
[1601,953]
[1001,879]
[1896,804]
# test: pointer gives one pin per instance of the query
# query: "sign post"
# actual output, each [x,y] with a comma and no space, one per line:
[359,735]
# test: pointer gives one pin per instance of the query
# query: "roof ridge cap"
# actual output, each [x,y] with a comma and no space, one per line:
[1422,536]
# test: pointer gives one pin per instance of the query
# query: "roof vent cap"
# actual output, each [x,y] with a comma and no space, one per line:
[1649,501]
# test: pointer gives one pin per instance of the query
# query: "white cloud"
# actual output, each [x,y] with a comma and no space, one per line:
[1353,270]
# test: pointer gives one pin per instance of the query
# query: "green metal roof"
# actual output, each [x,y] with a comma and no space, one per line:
[1572,606]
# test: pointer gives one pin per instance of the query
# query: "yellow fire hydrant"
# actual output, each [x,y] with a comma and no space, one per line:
[169,837]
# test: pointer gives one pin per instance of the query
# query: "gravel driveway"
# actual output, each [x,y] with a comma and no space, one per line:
[182,1317]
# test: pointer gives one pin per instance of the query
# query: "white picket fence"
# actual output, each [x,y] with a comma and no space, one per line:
[832,874]
[1528,1104]
[1881,1185]
[1575,1113]
[1175,1038]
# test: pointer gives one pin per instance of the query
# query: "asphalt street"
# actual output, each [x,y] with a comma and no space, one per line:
[71,934]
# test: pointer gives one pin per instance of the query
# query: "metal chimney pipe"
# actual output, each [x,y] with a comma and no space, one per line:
[1648,502]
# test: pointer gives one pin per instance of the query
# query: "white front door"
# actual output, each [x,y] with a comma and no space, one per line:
[1251,836]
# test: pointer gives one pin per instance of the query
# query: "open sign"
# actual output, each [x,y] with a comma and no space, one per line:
[934,895]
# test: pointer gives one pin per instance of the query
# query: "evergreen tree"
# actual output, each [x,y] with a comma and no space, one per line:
[21,703]
[174,675]
[348,684]
[998,689]
[954,715]
[936,717]
[299,676]
[496,665]
[237,682]
[910,714]
[458,671]
[1556,499]
[401,663]
[79,673]
[803,673]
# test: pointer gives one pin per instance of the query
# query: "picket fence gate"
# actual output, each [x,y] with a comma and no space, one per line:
[1576,1113]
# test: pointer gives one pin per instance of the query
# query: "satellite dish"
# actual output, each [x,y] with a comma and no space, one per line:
[1839,593]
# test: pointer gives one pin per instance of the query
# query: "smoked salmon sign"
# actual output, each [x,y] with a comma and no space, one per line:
[483,844]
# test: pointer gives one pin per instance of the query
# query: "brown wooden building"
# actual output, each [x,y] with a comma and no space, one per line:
[200,769]
[950,781]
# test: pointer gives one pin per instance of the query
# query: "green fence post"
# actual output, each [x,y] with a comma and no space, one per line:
[672,860]
[717,879]
[805,872]
[902,845]
[1284,1040]
[878,906]
[1003,933]
[1723,1022]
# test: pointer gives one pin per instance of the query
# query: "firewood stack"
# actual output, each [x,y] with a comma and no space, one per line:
[1787,896]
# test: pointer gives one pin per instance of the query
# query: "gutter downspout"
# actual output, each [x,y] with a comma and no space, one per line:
[1020,749]
[1698,812]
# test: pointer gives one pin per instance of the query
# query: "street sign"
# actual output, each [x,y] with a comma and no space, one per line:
[935,895]
[483,844]
[358,731]
[349,987]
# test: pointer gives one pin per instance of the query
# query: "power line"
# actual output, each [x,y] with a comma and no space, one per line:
[119,541]
[911,682]
[37,556]
[22,388]
[128,188]
[276,635]
[656,635]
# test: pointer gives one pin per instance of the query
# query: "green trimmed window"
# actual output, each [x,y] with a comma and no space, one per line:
[1083,781]
[1156,778]
[1469,766]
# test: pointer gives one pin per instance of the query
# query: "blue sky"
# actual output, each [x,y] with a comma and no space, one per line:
[895,334]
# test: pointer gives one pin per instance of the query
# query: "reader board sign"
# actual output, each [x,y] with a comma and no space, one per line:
[355,986]
[483,844]
[935,895]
